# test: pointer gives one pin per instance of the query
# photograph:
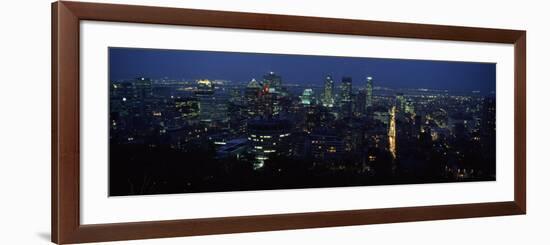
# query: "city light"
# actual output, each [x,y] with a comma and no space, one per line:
[392,134]
[211,131]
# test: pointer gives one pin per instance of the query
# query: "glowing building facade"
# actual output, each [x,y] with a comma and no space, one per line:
[268,138]
[368,90]
[346,104]
[328,92]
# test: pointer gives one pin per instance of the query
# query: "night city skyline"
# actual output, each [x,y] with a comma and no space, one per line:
[129,63]
[198,121]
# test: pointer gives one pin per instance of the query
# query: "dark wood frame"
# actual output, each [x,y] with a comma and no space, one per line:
[66,227]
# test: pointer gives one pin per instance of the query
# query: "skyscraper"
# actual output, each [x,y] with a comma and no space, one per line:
[252,94]
[308,97]
[346,89]
[369,93]
[271,95]
[328,95]
[207,101]
[346,105]
[273,80]
[268,102]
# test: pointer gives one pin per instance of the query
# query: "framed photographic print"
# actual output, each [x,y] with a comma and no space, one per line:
[176,122]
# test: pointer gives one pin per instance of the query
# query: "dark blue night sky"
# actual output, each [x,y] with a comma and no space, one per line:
[127,63]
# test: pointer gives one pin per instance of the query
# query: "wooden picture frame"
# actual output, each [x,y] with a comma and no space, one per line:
[66,225]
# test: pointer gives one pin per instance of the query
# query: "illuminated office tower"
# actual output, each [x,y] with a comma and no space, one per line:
[346,89]
[268,138]
[307,97]
[273,81]
[252,95]
[207,102]
[271,96]
[369,93]
[269,102]
[328,93]
[345,97]
[182,112]
[186,108]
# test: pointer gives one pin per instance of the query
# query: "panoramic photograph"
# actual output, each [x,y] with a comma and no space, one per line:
[183,121]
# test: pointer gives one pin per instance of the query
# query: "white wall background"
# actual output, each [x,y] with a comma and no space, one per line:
[25,121]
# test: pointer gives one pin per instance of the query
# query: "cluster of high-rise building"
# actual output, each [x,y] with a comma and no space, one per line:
[332,126]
